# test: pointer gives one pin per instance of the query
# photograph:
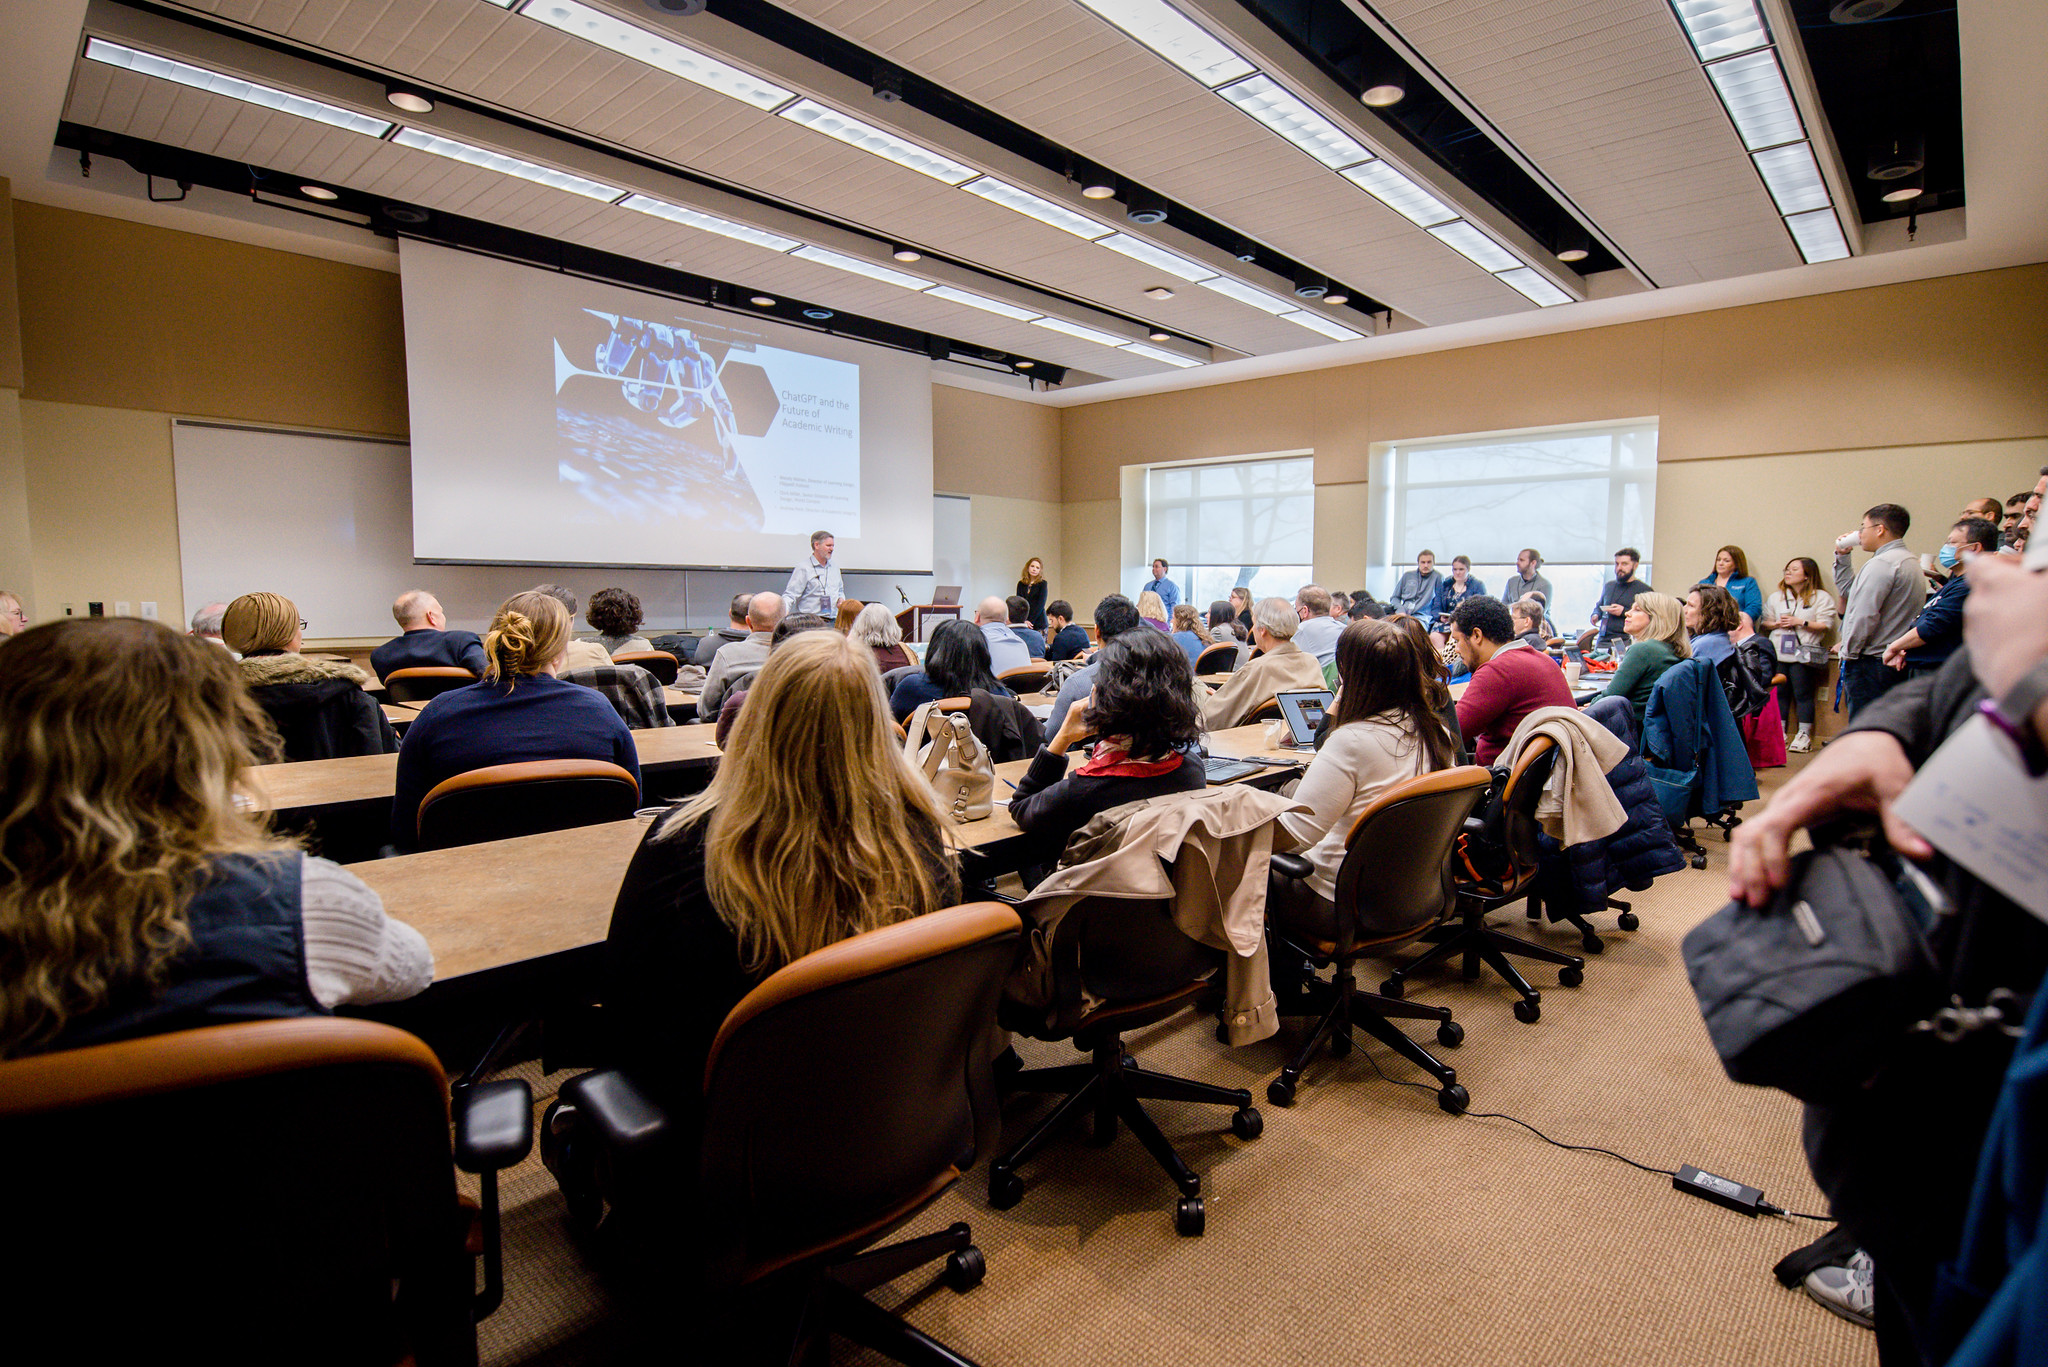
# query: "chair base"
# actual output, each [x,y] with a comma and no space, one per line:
[838,1301]
[1479,943]
[1340,1005]
[1111,1088]
[1589,937]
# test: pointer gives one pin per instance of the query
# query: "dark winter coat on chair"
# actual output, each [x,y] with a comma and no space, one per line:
[1577,881]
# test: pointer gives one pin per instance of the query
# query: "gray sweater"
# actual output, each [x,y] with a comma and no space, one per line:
[1881,601]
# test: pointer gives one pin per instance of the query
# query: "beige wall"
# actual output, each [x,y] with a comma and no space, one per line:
[1004,454]
[103,510]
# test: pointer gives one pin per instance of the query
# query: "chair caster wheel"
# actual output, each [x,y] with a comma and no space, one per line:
[1570,976]
[1130,1061]
[1454,1099]
[1280,1092]
[1247,1124]
[1450,1034]
[965,1270]
[1392,987]
[1528,1012]
[1592,944]
[1699,861]
[1188,1219]
[1340,1043]
[1628,920]
[1005,1188]
[1222,1033]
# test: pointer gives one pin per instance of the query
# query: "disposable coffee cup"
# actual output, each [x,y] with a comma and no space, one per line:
[645,816]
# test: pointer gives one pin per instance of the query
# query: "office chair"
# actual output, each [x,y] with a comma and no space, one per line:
[892,677]
[842,1096]
[1217,659]
[1496,863]
[660,663]
[501,801]
[1269,710]
[423,682]
[634,693]
[1025,678]
[267,1191]
[1393,886]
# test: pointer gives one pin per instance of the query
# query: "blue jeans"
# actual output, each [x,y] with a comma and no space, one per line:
[1867,678]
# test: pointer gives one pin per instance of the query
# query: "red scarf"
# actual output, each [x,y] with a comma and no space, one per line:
[1111,763]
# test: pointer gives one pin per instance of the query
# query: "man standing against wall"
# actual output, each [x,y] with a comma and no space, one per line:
[1168,591]
[1620,594]
[815,585]
[1880,602]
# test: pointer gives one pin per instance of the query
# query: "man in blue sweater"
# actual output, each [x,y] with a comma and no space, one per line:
[426,640]
[1935,634]
[1168,591]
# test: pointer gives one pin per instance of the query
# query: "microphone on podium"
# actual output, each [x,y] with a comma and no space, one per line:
[904,596]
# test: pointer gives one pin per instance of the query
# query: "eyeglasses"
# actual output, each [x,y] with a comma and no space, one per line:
[303,624]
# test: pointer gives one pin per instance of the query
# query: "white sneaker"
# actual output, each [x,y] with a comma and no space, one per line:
[1848,1291]
[1800,743]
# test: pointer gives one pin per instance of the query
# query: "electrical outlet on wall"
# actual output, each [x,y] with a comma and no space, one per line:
[149,612]
[67,609]
[121,608]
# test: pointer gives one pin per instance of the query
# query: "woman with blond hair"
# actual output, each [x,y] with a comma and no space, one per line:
[1152,608]
[518,711]
[1655,624]
[876,629]
[140,897]
[814,828]
[318,706]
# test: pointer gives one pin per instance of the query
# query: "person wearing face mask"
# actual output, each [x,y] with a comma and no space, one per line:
[1926,645]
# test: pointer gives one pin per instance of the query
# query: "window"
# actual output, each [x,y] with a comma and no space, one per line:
[1247,524]
[1576,495]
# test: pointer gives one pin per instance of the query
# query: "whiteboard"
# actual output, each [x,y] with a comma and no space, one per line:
[326,520]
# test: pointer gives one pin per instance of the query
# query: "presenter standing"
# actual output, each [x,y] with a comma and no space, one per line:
[815,585]
[1168,591]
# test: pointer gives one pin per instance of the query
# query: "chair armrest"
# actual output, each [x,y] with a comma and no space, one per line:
[493,1125]
[1474,826]
[625,1120]
[1292,866]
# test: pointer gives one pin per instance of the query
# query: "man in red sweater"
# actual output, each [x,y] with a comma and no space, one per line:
[1509,679]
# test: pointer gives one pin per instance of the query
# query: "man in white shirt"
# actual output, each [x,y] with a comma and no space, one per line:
[1319,629]
[1006,649]
[815,585]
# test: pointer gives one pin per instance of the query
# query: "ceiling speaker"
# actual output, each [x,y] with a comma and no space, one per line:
[1145,207]
[1862,11]
[1897,158]
[685,8]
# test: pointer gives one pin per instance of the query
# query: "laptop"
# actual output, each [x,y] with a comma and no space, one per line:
[1303,709]
[1222,770]
[946,596]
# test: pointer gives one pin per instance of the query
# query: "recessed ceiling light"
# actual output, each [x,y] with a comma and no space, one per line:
[1335,297]
[1175,37]
[879,142]
[1573,254]
[658,51]
[854,265]
[1793,178]
[1160,335]
[1138,249]
[762,301]
[692,218]
[1533,287]
[1818,234]
[1086,334]
[506,165]
[1904,190]
[1399,193]
[234,87]
[673,265]
[1293,119]
[1475,246]
[1026,365]
[317,192]
[1096,183]
[1034,206]
[1159,292]
[1722,28]
[1248,294]
[1155,354]
[1384,95]
[980,301]
[1758,100]
[907,254]
[410,100]
[1315,322]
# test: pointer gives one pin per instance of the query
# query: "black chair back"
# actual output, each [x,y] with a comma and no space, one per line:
[852,1087]
[1218,659]
[1396,876]
[421,682]
[1025,678]
[1502,855]
[1112,949]
[507,800]
[659,663]
[238,1193]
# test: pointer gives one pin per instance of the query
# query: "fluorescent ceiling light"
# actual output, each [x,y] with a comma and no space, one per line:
[1721,28]
[1753,89]
[1247,294]
[1793,178]
[1031,206]
[1819,236]
[660,52]
[1076,330]
[1387,185]
[506,165]
[691,218]
[868,138]
[1316,322]
[1175,37]
[234,87]
[1534,286]
[1475,246]
[1153,353]
[979,301]
[856,266]
[1140,250]
[1292,119]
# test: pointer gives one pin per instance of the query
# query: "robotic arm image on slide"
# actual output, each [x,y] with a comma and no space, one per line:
[663,371]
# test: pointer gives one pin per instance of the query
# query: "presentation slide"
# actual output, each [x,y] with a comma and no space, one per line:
[560,421]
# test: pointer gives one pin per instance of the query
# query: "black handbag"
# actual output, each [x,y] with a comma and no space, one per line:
[1813,993]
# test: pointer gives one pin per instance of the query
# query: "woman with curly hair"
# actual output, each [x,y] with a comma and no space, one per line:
[139,896]
[614,614]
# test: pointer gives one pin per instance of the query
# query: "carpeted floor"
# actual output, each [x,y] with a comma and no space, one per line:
[1365,1225]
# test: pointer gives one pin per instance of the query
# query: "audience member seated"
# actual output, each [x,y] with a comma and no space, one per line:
[1032,588]
[956,663]
[1223,627]
[721,637]
[1114,616]
[318,706]
[13,619]
[1985,508]
[1152,611]
[577,654]
[1140,710]
[205,623]
[1006,649]
[875,627]
[1710,615]
[793,625]
[1436,690]
[1798,616]
[1241,600]
[1281,665]
[740,661]
[518,711]
[1365,607]
[1068,639]
[1510,679]
[1318,631]
[424,641]
[140,897]
[614,614]
[846,614]
[1617,595]
[814,828]
[1938,631]
[1382,731]
[1417,588]
[634,693]
[1454,591]
[1188,632]
[1526,615]
[1655,624]
[1020,625]
[1731,572]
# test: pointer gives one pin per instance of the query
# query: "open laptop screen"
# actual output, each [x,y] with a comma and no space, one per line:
[1303,710]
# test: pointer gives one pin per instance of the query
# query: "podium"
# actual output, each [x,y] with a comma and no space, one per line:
[916,621]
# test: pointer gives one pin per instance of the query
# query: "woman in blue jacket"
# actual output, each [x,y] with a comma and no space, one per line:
[1731,572]
[1453,591]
